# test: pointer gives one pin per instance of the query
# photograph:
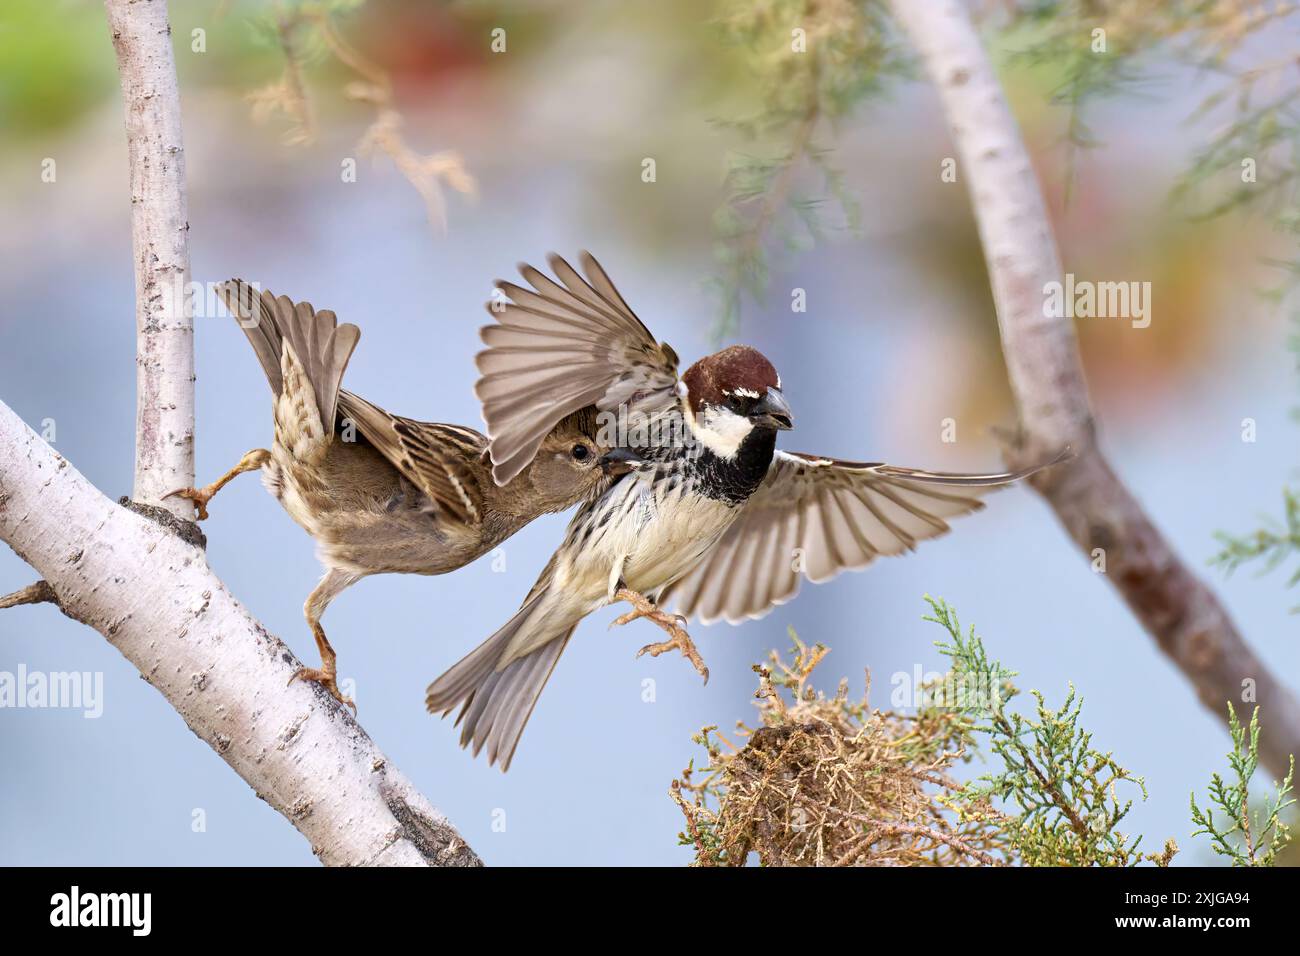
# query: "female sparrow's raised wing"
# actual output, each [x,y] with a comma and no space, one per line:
[438,459]
[558,347]
[377,492]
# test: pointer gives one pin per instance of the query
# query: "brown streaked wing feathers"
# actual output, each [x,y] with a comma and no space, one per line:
[433,457]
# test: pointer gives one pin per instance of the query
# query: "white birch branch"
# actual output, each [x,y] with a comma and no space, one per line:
[153,596]
[164,432]
[137,574]
[1173,604]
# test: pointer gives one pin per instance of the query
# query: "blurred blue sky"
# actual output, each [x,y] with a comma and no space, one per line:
[870,370]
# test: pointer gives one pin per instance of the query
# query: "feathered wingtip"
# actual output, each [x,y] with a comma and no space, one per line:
[1061,457]
[1064,456]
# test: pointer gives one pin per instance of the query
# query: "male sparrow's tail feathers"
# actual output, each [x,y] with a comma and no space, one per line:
[497,699]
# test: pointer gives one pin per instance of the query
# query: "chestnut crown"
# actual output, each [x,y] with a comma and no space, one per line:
[735,375]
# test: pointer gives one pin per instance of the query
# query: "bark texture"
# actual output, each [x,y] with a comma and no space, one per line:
[164,444]
[1175,607]
[135,570]
[153,596]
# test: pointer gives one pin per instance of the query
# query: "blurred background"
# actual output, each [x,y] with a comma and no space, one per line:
[899,335]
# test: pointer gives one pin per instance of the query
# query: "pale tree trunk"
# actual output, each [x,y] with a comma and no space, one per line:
[153,596]
[164,401]
[136,571]
[1173,604]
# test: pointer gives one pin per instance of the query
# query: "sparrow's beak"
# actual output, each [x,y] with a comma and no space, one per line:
[773,411]
[619,461]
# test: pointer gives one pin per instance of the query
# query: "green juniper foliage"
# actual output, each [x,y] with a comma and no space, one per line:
[1090,49]
[826,780]
[812,63]
[1064,792]
[1098,49]
[832,781]
[1274,543]
[1246,837]
[829,781]
[1250,161]
[1058,37]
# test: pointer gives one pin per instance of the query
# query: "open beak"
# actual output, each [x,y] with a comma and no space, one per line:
[619,461]
[773,411]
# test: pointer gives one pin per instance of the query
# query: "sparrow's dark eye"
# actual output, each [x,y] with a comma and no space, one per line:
[581,452]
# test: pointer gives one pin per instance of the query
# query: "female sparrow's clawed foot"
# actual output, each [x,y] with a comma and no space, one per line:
[327,674]
[327,677]
[201,496]
[674,624]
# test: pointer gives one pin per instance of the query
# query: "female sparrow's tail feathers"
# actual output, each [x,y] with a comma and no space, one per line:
[321,346]
[496,701]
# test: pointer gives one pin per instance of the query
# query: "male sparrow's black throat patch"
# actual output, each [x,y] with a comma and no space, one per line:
[733,480]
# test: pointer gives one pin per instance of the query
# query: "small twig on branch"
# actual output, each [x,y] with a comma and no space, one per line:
[882,828]
[135,571]
[153,596]
[1172,604]
[38,593]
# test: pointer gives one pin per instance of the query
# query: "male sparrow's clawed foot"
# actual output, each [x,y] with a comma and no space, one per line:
[674,624]
[703,523]
[201,496]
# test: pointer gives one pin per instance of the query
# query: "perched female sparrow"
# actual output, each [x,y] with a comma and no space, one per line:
[377,492]
[714,522]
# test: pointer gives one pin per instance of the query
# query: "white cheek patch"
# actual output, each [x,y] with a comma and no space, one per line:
[721,431]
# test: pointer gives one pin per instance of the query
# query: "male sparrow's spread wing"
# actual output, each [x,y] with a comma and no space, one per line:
[558,347]
[433,457]
[821,516]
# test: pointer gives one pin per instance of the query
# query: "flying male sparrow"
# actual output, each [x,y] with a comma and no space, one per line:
[380,493]
[714,523]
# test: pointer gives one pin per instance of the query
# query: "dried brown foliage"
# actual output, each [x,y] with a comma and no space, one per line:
[431,174]
[829,781]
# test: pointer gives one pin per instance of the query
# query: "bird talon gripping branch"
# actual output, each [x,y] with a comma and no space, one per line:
[381,493]
[200,497]
[326,679]
[252,461]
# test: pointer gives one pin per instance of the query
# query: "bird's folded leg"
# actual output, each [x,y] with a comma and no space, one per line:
[327,674]
[201,496]
[674,624]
